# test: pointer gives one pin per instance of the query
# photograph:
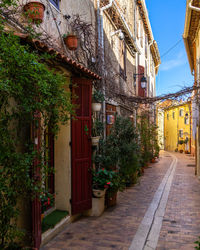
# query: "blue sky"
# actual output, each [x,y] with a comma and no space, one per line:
[167,21]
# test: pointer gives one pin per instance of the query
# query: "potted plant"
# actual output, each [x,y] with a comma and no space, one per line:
[35,11]
[101,180]
[71,41]
[97,99]
[97,130]
[111,193]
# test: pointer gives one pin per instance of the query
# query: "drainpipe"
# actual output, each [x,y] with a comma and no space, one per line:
[101,47]
[193,7]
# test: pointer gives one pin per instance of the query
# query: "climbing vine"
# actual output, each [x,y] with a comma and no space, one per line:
[27,87]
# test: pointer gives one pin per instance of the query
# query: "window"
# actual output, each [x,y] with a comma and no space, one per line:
[181,133]
[122,67]
[141,33]
[55,3]
[167,116]
[186,120]
[181,112]
[173,115]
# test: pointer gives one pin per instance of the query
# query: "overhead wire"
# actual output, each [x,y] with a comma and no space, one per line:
[171,48]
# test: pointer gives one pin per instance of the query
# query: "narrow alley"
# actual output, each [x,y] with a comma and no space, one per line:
[99,125]
[167,196]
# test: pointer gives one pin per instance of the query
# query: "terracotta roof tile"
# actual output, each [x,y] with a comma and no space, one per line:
[59,55]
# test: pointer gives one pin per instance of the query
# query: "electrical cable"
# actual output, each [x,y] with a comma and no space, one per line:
[164,54]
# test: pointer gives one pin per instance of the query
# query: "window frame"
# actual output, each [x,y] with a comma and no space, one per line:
[122,70]
[181,112]
[186,120]
[55,3]
[173,115]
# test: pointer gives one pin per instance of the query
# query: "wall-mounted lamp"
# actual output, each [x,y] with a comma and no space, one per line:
[143,80]
[120,34]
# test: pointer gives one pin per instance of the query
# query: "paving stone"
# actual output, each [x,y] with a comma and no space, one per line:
[117,226]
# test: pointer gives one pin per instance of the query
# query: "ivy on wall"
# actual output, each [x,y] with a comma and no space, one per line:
[27,87]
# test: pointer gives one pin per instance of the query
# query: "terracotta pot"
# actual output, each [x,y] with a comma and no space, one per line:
[71,42]
[153,160]
[96,107]
[35,11]
[98,193]
[111,199]
[42,217]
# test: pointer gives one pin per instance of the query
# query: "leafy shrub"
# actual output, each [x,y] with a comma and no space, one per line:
[98,96]
[27,88]
[121,150]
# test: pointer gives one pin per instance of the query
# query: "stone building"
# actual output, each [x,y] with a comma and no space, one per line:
[116,49]
[191,37]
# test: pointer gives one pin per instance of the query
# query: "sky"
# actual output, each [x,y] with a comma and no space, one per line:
[167,18]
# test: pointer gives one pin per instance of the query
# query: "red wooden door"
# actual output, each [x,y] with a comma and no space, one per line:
[81,147]
[36,204]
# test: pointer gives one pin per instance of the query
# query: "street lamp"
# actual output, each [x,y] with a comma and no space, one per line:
[143,80]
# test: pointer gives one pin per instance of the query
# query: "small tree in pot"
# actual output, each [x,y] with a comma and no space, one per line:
[97,99]
[97,130]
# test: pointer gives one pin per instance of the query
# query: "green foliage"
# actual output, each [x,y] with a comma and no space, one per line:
[97,128]
[197,244]
[98,96]
[120,149]
[102,179]
[126,139]
[148,139]
[47,200]
[27,87]
[181,142]
[117,184]
[52,219]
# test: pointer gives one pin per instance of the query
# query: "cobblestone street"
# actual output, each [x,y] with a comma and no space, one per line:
[118,226]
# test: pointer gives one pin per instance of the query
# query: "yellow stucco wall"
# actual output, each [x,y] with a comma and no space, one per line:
[173,123]
[63,164]
[160,124]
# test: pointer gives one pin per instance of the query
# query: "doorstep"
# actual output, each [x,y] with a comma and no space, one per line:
[52,232]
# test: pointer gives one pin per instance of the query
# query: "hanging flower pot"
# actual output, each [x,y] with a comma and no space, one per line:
[71,41]
[96,107]
[35,11]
